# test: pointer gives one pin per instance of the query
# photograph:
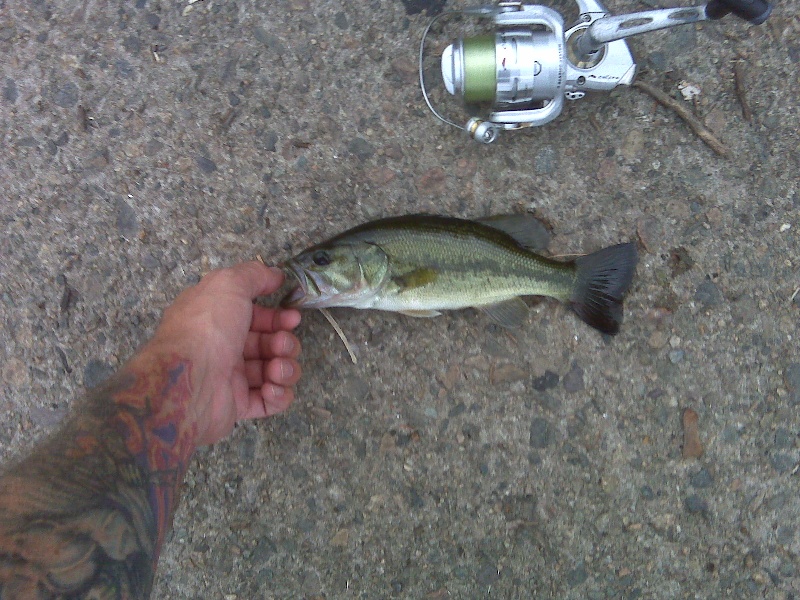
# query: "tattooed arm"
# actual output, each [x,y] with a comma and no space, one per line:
[85,515]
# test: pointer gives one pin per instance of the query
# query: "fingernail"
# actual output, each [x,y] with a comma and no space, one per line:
[277,391]
[286,369]
[288,345]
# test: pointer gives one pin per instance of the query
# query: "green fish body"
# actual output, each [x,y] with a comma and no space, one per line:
[423,264]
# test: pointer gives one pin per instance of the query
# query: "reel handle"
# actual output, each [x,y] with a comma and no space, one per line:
[754,12]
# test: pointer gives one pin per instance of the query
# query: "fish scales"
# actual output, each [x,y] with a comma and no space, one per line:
[475,265]
[421,264]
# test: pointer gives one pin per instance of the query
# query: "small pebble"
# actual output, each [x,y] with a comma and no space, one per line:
[340,20]
[791,378]
[701,479]
[355,389]
[577,575]
[785,534]
[543,433]
[361,148]
[132,44]
[10,92]
[96,372]
[546,160]
[432,181]
[67,95]
[45,417]
[406,69]
[153,147]
[124,69]
[650,233]
[507,374]
[784,439]
[782,462]
[696,505]
[680,261]
[692,446]
[487,575]
[546,382]
[206,165]
[657,339]
[458,409]
[341,539]
[127,221]
[708,294]
[380,176]
[573,380]
[676,356]
[268,141]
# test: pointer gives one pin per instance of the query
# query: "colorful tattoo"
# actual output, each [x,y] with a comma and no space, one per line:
[85,515]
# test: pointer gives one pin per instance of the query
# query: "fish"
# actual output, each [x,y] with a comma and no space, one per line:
[420,265]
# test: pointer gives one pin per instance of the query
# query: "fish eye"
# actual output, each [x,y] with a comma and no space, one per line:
[321,258]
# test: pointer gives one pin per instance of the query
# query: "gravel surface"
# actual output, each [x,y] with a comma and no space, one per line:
[144,143]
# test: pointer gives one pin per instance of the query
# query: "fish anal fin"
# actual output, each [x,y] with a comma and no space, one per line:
[527,230]
[510,314]
[415,279]
[420,313]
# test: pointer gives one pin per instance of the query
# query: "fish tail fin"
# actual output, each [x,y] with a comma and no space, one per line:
[601,280]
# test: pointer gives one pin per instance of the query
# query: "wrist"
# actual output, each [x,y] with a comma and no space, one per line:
[195,370]
[160,402]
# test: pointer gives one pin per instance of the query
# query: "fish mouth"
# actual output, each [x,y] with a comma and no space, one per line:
[305,289]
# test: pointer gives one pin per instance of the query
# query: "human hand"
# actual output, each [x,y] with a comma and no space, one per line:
[242,355]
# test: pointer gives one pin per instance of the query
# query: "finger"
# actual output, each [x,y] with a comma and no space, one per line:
[268,400]
[282,371]
[256,278]
[261,346]
[282,344]
[254,373]
[274,319]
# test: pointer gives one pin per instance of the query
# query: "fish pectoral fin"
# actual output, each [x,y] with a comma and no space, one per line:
[510,314]
[528,231]
[420,313]
[414,279]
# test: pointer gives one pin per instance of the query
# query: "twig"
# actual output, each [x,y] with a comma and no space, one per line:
[797,291]
[741,93]
[703,132]
[339,331]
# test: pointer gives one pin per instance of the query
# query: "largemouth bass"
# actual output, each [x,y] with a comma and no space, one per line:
[420,265]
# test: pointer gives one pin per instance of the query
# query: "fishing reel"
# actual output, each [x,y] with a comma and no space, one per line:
[525,69]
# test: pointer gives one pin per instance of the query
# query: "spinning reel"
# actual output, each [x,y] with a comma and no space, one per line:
[529,64]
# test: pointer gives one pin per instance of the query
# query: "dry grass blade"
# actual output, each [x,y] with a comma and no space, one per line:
[340,333]
[703,132]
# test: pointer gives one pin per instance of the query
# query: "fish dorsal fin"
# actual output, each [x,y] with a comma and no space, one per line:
[528,231]
[420,313]
[510,314]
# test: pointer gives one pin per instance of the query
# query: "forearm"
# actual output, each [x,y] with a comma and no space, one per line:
[87,512]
